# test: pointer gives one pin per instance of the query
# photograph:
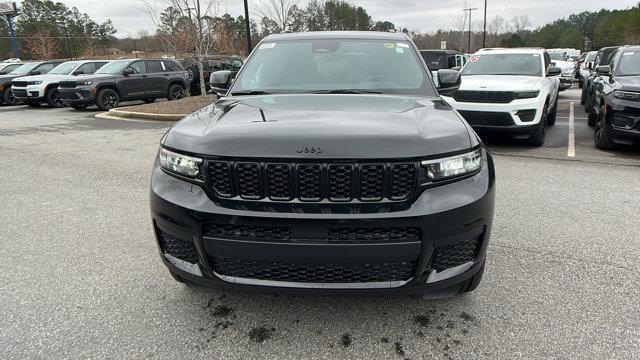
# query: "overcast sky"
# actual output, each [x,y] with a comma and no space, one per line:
[423,15]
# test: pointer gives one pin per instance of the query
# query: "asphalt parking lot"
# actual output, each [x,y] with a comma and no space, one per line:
[81,276]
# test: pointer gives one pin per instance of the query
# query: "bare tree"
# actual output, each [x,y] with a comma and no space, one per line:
[459,22]
[191,30]
[279,11]
[495,27]
[42,46]
[520,23]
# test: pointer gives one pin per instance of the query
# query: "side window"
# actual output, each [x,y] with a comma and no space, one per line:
[45,68]
[98,65]
[138,67]
[170,66]
[154,66]
[87,68]
[10,68]
[547,60]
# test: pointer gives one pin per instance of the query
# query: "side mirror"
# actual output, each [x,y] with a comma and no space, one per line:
[589,65]
[449,81]
[220,81]
[128,71]
[37,72]
[77,72]
[553,71]
[603,70]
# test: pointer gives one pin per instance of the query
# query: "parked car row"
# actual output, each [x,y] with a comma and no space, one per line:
[611,96]
[81,84]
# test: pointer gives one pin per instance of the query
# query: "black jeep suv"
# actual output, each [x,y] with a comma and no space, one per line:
[31,68]
[603,57]
[616,99]
[211,64]
[123,80]
[330,165]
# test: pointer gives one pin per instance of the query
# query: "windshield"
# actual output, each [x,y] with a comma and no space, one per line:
[556,56]
[504,64]
[114,67]
[629,64]
[334,65]
[64,68]
[24,69]
[591,56]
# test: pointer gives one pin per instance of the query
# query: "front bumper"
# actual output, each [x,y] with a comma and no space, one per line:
[441,241]
[623,120]
[513,118]
[77,96]
[30,92]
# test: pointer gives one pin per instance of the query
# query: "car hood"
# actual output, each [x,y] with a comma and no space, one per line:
[44,77]
[500,83]
[629,83]
[335,126]
[6,78]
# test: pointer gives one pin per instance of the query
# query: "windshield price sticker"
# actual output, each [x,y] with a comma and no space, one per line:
[402,45]
[474,59]
[267,46]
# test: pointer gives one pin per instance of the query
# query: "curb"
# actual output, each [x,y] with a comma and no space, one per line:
[145,116]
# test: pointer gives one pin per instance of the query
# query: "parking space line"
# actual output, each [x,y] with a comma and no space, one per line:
[571,147]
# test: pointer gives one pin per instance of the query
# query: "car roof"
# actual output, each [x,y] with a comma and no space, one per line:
[630,47]
[512,51]
[320,35]
[441,51]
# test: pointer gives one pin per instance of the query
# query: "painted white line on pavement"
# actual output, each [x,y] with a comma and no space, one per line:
[571,147]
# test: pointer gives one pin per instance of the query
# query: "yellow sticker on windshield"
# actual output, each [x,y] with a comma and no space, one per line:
[389,45]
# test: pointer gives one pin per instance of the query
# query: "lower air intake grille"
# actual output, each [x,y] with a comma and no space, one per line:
[482,118]
[374,235]
[457,254]
[178,248]
[249,232]
[314,273]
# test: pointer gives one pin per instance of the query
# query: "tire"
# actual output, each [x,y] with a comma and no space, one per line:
[149,100]
[551,118]
[7,96]
[473,283]
[593,118]
[601,137]
[33,104]
[176,92]
[538,135]
[583,96]
[80,106]
[107,99]
[580,84]
[587,103]
[53,98]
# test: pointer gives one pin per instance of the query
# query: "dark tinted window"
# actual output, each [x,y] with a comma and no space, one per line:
[154,66]
[171,66]
[435,61]
[45,68]
[88,68]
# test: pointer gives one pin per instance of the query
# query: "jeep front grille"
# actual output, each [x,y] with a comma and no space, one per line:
[311,182]
[496,97]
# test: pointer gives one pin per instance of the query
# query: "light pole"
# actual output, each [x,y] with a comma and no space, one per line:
[469,10]
[484,31]
[247,25]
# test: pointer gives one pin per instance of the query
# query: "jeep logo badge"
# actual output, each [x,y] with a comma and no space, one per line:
[309,150]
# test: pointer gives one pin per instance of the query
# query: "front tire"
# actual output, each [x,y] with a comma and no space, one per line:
[31,103]
[602,139]
[551,118]
[538,135]
[7,96]
[53,98]
[107,99]
[176,92]
[149,100]
[80,106]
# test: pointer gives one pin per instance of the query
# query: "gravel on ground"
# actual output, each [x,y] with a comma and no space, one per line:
[187,105]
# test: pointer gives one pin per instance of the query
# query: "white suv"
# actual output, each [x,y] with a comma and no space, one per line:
[513,91]
[35,89]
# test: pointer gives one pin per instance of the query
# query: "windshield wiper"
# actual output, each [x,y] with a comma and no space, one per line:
[251,92]
[344,91]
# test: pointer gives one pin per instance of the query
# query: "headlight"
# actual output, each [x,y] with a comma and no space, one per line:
[88,82]
[459,165]
[526,94]
[567,72]
[180,164]
[35,82]
[627,95]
